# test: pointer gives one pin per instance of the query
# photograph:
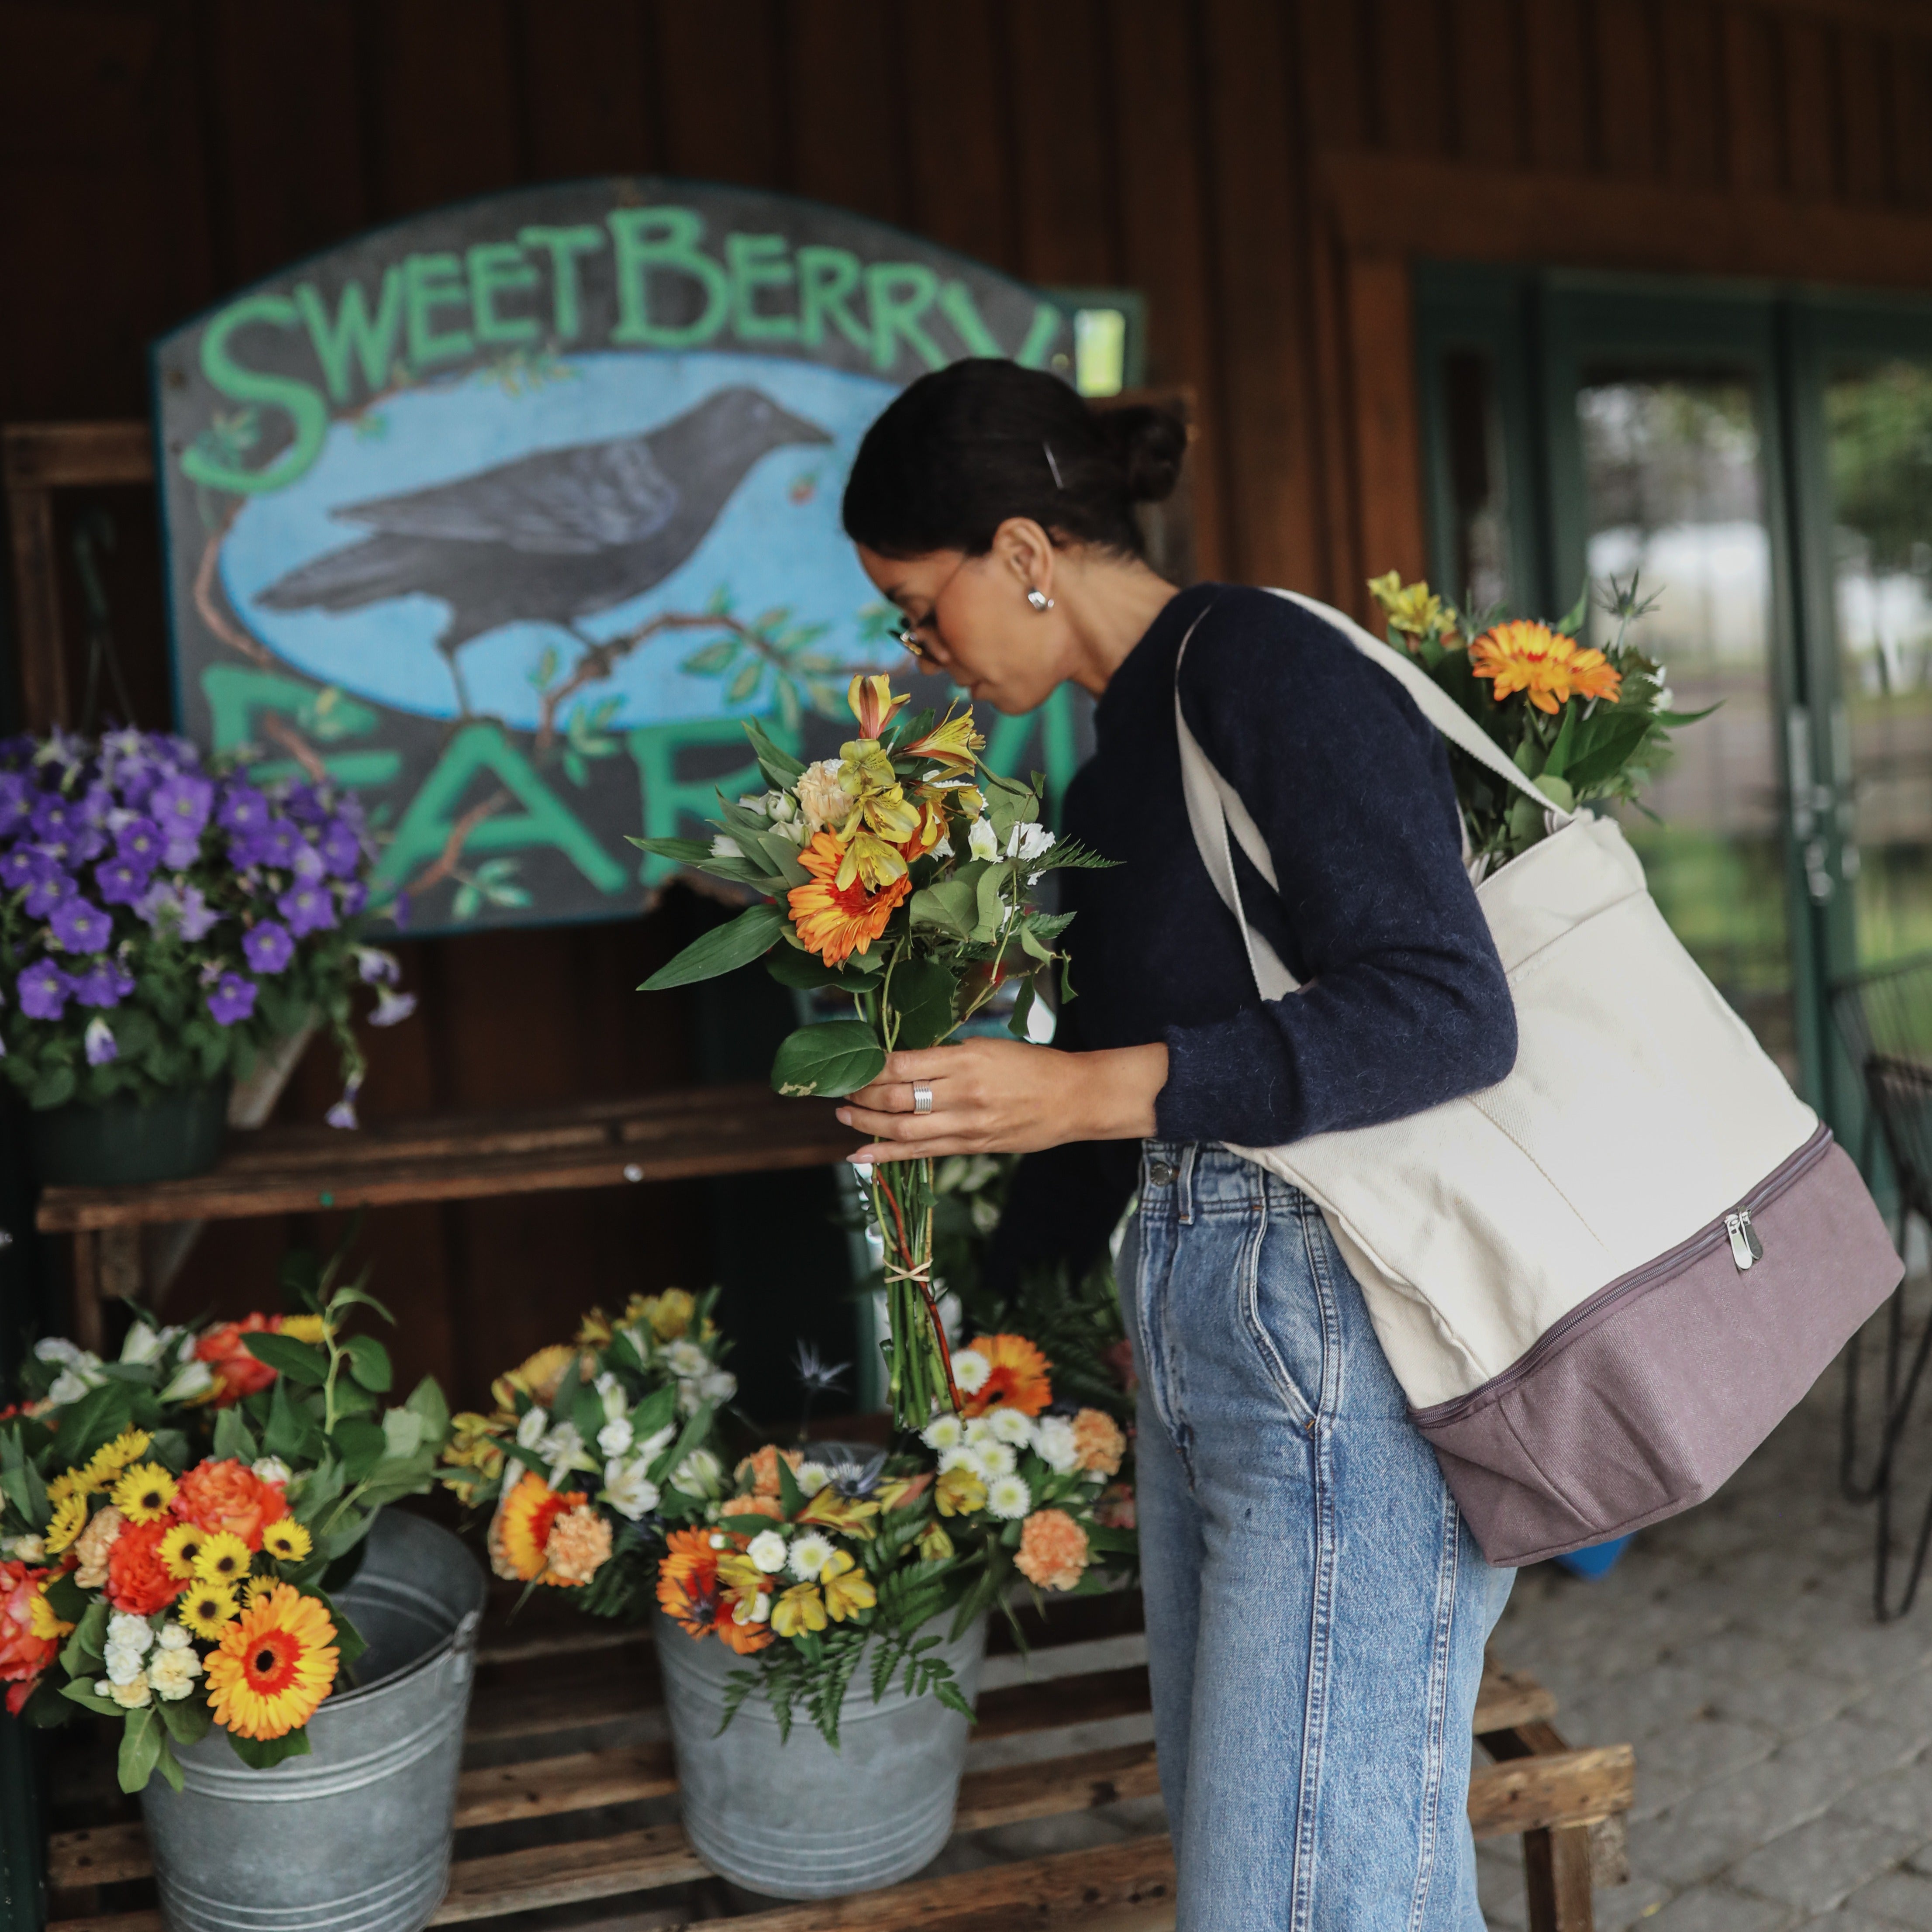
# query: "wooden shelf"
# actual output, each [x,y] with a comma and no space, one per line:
[456,1157]
[543,1694]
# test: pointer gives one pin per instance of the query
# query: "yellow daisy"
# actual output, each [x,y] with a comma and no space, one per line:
[69,1519]
[224,1558]
[107,1462]
[208,1610]
[62,1486]
[180,1548]
[144,1493]
[286,1541]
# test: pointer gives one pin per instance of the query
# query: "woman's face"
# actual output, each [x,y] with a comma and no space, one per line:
[972,621]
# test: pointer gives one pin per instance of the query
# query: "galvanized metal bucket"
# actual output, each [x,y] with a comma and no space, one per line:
[356,1836]
[801,1820]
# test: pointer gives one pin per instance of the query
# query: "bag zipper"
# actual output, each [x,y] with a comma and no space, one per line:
[1736,1227]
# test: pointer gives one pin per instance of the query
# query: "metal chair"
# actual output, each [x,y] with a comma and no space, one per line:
[1885,1018]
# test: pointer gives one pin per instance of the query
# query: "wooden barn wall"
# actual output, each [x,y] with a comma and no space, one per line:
[155,154]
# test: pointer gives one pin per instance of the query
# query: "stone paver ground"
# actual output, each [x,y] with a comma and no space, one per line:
[1783,1737]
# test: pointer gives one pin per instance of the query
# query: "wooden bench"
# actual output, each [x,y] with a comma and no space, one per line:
[567,1726]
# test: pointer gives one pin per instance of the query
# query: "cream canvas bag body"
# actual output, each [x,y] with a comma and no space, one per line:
[1602,1281]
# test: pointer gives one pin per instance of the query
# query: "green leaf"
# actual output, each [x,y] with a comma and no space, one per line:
[952,906]
[350,1529]
[750,936]
[302,1361]
[1560,752]
[679,851]
[920,992]
[990,903]
[352,1296]
[1571,621]
[402,1431]
[791,1498]
[806,972]
[263,1754]
[426,1400]
[1620,733]
[81,1691]
[369,1363]
[85,1649]
[780,768]
[361,1444]
[291,1432]
[319,1488]
[233,1441]
[66,1598]
[838,1057]
[188,1719]
[140,1748]
[1022,1013]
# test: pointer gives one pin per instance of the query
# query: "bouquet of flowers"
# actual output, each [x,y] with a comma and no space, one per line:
[820,1552]
[595,1447]
[161,921]
[1584,724]
[897,873]
[168,1526]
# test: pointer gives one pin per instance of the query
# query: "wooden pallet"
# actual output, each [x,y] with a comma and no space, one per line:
[569,1728]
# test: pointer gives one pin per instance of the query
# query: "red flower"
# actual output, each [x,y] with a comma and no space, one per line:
[23,1656]
[237,1373]
[138,1581]
[229,1496]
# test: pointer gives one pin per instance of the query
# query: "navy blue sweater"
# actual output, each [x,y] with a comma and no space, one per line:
[1403,1003]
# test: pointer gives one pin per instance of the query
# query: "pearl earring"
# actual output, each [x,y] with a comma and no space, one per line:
[1039,599]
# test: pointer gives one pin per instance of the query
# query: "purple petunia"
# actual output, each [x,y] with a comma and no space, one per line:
[341,849]
[121,881]
[232,998]
[53,888]
[277,843]
[16,802]
[242,809]
[105,983]
[180,805]
[80,926]
[100,1043]
[138,838]
[307,908]
[307,864]
[54,818]
[355,895]
[267,947]
[25,865]
[43,991]
[183,906]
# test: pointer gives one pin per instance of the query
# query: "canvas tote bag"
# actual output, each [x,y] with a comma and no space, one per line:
[1602,1281]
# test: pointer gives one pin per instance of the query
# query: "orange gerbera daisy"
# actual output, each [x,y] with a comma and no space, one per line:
[519,1538]
[1548,667]
[1018,1379]
[836,921]
[688,1581]
[275,1665]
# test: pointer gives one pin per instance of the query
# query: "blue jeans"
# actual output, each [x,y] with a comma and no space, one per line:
[1316,1610]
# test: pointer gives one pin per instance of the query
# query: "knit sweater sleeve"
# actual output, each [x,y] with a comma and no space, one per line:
[1403,1003]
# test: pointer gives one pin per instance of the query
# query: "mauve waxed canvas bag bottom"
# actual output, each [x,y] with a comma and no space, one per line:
[1655,1392]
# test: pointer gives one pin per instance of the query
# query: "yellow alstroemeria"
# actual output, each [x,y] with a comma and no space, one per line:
[848,1589]
[934,1545]
[667,1315]
[1413,608]
[594,1331]
[952,742]
[873,703]
[801,1608]
[959,1493]
[833,1511]
[873,862]
[736,1571]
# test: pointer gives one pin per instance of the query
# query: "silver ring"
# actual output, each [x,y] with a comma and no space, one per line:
[922,1097]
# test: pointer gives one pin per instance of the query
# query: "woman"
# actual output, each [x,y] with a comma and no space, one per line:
[1316,1611]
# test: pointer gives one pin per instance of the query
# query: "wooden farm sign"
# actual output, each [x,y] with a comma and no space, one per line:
[506,515]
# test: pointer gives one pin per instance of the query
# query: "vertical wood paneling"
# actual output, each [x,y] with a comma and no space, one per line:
[1810,103]
[1694,96]
[1387,451]
[1411,63]
[1908,64]
[1863,110]
[1627,71]
[1486,75]
[1753,95]
[586,75]
[1557,102]
[1068,214]
[961,136]
[449,104]
[721,81]
[1338,83]
[1163,203]
[848,111]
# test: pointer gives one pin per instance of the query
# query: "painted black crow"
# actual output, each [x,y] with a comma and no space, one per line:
[552,537]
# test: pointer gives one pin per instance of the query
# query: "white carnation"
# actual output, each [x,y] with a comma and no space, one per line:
[823,799]
[134,1695]
[767,1550]
[130,1633]
[1053,1439]
[173,1673]
[271,1469]
[686,1360]
[174,1637]
[123,1663]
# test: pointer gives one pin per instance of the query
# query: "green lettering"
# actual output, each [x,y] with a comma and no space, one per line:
[237,695]
[545,819]
[351,333]
[495,265]
[750,259]
[956,304]
[664,238]
[898,293]
[827,277]
[1048,322]
[432,282]
[302,400]
[669,800]
[565,245]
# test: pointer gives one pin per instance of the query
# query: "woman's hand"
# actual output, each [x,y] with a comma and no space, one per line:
[1005,1096]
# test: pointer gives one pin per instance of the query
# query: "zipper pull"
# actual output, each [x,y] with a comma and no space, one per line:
[1751,1240]
[1740,1250]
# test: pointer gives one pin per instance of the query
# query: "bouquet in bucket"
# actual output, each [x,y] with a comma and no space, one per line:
[825,1558]
[1584,724]
[596,1448]
[898,874]
[162,921]
[170,1529]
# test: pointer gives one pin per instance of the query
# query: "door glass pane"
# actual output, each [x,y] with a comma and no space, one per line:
[1674,488]
[1879,420]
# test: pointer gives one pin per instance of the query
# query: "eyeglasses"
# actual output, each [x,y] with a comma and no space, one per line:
[908,636]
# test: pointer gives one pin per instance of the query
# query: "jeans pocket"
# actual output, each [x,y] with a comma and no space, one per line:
[1287,1304]
[1155,1361]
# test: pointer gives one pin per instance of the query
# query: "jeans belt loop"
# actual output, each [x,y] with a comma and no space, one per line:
[1183,1185]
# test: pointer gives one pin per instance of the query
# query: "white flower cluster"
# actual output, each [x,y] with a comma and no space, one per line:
[143,1662]
[782,812]
[145,1347]
[627,1456]
[700,1379]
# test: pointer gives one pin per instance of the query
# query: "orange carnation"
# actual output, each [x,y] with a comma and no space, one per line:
[139,1581]
[1053,1550]
[519,1538]
[1098,1443]
[1018,1379]
[229,1496]
[836,921]
[763,1469]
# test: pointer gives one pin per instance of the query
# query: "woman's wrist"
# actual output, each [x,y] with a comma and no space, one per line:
[1121,1084]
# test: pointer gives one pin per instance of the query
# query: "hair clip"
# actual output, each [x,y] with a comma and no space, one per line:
[1059,482]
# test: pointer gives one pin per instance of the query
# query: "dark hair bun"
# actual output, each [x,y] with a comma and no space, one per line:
[1149,444]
